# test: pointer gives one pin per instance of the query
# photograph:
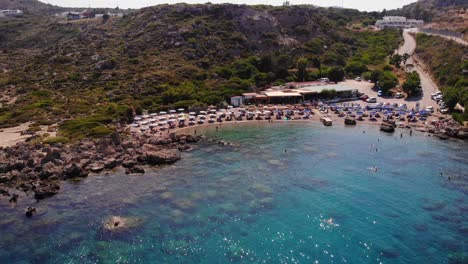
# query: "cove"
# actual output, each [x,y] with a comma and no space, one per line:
[281,193]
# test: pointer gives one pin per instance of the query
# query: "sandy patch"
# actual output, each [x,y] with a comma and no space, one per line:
[11,136]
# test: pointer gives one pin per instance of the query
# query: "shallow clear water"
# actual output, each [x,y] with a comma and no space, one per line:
[255,203]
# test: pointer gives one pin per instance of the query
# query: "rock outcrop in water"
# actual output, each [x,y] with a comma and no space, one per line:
[120,223]
[350,121]
[40,168]
[388,127]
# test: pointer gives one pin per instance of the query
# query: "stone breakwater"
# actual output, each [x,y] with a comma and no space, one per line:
[39,169]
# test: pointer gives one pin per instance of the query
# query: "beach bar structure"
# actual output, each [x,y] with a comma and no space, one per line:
[296,92]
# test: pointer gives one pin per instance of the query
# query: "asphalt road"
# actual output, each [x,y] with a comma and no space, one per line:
[428,85]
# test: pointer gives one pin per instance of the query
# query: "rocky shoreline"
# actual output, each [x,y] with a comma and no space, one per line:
[39,169]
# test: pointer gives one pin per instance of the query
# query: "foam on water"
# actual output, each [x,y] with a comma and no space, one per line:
[316,202]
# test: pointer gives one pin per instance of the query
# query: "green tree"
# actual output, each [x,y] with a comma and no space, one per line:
[387,81]
[355,68]
[317,64]
[336,74]
[302,69]
[261,79]
[451,97]
[412,83]
[375,76]
[396,60]
[244,69]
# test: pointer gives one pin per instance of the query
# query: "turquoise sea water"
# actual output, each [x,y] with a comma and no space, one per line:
[318,202]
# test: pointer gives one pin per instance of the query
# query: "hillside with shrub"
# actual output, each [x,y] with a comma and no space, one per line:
[449,15]
[96,73]
[448,67]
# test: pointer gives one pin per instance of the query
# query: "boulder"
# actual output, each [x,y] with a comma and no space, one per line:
[385,127]
[135,169]
[45,191]
[49,169]
[350,121]
[17,165]
[110,163]
[115,138]
[105,65]
[4,168]
[128,163]
[462,134]
[160,157]
[52,155]
[74,171]
[96,167]
[4,179]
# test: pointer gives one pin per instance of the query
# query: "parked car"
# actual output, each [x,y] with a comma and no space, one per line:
[379,93]
[358,79]
[372,100]
[436,95]
[430,109]
[324,79]
[364,97]
[399,95]
[443,110]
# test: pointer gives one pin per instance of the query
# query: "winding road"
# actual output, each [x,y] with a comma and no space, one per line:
[428,85]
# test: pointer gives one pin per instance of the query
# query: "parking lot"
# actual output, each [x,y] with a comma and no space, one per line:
[366,88]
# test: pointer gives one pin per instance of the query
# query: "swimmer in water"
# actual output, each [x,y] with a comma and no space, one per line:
[285,150]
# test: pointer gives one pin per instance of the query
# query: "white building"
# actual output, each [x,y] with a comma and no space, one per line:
[9,12]
[398,21]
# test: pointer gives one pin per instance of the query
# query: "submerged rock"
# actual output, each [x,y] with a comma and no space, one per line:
[262,190]
[30,211]
[120,223]
[45,191]
[458,258]
[390,253]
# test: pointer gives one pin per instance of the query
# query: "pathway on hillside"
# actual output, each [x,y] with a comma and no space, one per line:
[428,85]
